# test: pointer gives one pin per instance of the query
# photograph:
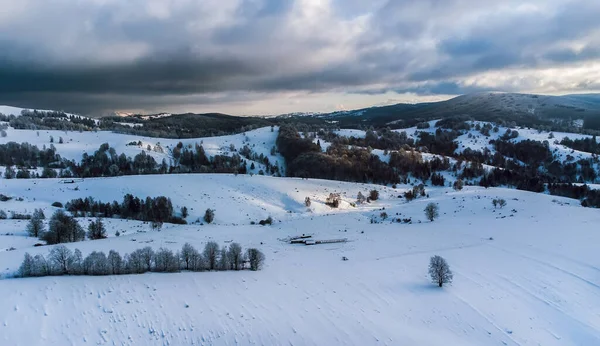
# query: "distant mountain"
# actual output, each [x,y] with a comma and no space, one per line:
[489,106]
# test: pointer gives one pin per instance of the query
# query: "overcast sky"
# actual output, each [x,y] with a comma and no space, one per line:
[280,56]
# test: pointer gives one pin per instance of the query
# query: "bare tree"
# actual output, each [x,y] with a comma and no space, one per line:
[236,259]
[439,271]
[26,268]
[40,266]
[166,261]
[35,226]
[188,252]
[224,259]
[135,262]
[147,257]
[76,262]
[360,198]
[96,263]
[196,261]
[60,259]
[211,251]
[115,263]
[373,195]
[256,259]
[431,211]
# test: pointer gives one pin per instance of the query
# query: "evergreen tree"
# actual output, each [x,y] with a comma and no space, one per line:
[96,230]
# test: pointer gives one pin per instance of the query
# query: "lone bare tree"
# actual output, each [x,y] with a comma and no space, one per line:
[431,211]
[439,271]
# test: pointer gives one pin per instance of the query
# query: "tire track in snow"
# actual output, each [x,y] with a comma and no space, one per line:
[593,284]
[431,250]
[546,302]
[492,323]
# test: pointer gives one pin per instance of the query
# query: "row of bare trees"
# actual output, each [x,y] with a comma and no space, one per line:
[62,261]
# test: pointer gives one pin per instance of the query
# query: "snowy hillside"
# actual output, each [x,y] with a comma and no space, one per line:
[75,144]
[526,274]
[9,110]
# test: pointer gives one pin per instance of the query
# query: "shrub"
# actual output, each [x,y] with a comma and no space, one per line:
[333,200]
[57,205]
[458,184]
[184,212]
[307,202]
[360,198]
[209,215]
[374,195]
[211,251]
[267,221]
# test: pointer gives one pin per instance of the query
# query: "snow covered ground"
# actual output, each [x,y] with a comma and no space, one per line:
[527,274]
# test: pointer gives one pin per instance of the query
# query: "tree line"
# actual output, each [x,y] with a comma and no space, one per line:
[158,209]
[62,261]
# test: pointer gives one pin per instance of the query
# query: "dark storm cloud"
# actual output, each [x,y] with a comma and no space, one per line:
[98,55]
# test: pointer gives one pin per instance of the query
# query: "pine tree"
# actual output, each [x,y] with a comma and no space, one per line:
[96,230]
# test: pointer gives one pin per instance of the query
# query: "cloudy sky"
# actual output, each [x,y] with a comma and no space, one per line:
[279,56]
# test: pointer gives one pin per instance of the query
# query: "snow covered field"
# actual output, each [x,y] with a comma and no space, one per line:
[527,274]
